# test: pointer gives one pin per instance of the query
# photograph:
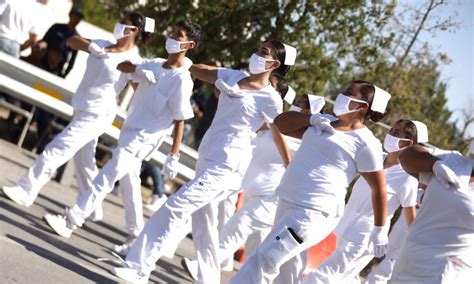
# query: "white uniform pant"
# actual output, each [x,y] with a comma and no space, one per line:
[343,266]
[256,216]
[78,140]
[383,271]
[226,211]
[199,197]
[281,257]
[133,147]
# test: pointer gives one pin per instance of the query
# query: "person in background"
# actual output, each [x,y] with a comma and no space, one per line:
[17,26]
[158,197]
[58,34]
[207,117]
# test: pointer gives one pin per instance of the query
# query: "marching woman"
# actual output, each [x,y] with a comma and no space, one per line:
[94,106]
[314,185]
[440,243]
[223,154]
[353,250]
[259,184]
[162,98]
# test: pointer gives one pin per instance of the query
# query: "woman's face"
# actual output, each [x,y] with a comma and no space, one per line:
[128,30]
[265,50]
[398,130]
[353,91]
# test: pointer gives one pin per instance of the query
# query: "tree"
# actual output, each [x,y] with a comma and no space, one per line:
[337,41]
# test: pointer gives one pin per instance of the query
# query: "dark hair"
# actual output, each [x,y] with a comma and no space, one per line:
[367,91]
[282,85]
[279,52]
[193,30]
[409,128]
[138,20]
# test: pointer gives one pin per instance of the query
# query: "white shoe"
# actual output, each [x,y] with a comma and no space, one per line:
[130,275]
[156,203]
[97,215]
[18,195]
[59,224]
[191,266]
[124,248]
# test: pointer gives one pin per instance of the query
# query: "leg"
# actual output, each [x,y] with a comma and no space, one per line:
[206,242]
[130,186]
[226,211]
[283,244]
[84,128]
[169,219]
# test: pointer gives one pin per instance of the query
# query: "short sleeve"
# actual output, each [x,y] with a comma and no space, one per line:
[408,191]
[137,61]
[271,110]
[369,158]
[180,99]
[225,74]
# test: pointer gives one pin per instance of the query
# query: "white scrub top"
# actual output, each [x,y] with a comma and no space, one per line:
[443,230]
[154,107]
[358,220]
[229,138]
[321,170]
[17,19]
[266,168]
[102,82]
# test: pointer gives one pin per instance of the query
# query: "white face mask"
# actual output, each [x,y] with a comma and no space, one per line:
[173,46]
[295,108]
[257,64]
[391,143]
[119,30]
[341,105]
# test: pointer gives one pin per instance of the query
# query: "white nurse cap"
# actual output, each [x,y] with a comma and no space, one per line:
[149,26]
[421,131]
[316,103]
[290,55]
[290,95]
[380,101]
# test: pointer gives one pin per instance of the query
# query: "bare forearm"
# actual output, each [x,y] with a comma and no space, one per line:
[416,159]
[127,67]
[79,43]
[29,42]
[292,121]
[376,181]
[204,72]
[409,213]
[177,136]
[281,144]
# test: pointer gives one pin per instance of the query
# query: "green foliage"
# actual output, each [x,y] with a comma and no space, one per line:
[337,41]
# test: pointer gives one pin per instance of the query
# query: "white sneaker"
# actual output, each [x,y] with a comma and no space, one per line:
[124,248]
[59,224]
[18,195]
[130,275]
[191,266]
[156,203]
[97,215]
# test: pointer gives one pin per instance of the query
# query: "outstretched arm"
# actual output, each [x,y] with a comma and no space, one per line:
[204,72]
[376,181]
[79,43]
[177,136]
[416,159]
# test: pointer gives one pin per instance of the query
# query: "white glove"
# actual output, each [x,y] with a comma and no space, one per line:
[170,167]
[148,74]
[97,51]
[321,123]
[233,91]
[379,239]
[445,175]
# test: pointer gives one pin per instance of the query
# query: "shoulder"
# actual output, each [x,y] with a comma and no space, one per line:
[102,42]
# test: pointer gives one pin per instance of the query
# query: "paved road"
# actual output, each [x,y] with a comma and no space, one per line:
[31,253]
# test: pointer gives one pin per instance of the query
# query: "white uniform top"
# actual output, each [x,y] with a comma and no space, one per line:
[266,168]
[358,220]
[155,106]
[229,138]
[17,19]
[321,170]
[102,82]
[446,213]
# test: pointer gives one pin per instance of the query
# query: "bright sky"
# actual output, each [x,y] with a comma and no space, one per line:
[459,46]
